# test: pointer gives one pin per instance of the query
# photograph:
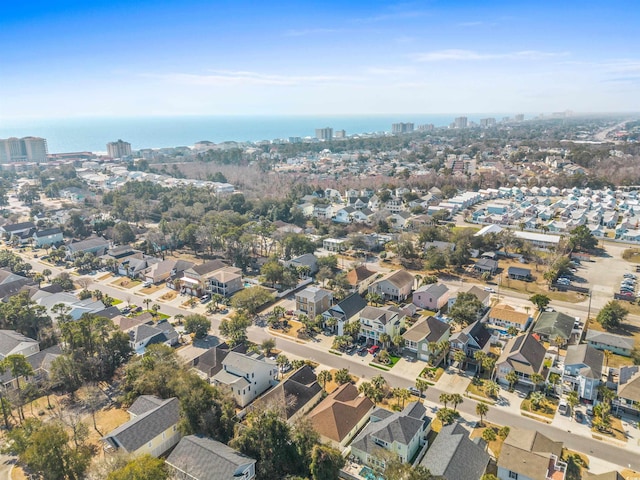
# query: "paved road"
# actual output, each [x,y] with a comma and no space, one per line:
[6,465]
[359,366]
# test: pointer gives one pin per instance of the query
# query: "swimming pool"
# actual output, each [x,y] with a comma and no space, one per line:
[369,474]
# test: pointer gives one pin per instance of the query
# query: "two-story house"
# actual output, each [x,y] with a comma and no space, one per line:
[375,321]
[628,391]
[472,338]
[47,237]
[525,356]
[247,376]
[200,458]
[200,279]
[18,232]
[423,335]
[556,327]
[225,281]
[583,370]
[529,455]
[345,311]
[152,429]
[505,316]
[14,343]
[401,433]
[432,297]
[141,336]
[396,286]
[313,301]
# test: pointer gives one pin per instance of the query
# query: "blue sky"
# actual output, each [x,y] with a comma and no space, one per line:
[68,58]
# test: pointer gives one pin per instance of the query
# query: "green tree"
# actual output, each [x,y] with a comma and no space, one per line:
[235,327]
[436,260]
[326,463]
[512,378]
[444,399]
[324,377]
[612,315]
[17,365]
[481,410]
[197,324]
[582,239]
[466,309]
[492,388]
[342,376]
[536,399]
[456,399]
[421,385]
[395,469]
[250,299]
[489,435]
[540,301]
[144,467]
[573,399]
[446,415]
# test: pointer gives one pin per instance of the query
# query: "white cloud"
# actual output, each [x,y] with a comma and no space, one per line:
[471,55]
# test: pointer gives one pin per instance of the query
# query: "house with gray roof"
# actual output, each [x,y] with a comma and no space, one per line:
[344,312]
[141,336]
[524,355]
[583,370]
[95,245]
[431,297]
[402,433]
[374,321]
[313,301]
[152,429]
[424,333]
[12,343]
[628,391]
[396,286]
[246,376]
[608,341]
[18,232]
[475,336]
[454,456]
[200,458]
[47,237]
[12,283]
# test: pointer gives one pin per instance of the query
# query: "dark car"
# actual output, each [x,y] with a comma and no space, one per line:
[362,351]
[579,416]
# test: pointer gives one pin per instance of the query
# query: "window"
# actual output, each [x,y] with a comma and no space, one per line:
[513,474]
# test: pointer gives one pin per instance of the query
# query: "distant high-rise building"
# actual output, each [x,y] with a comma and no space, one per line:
[519,117]
[460,122]
[398,128]
[428,127]
[119,149]
[341,134]
[27,149]
[325,133]
[487,122]
[295,140]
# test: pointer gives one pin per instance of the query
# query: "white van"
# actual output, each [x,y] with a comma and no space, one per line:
[563,407]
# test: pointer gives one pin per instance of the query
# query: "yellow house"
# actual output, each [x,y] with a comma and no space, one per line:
[153,427]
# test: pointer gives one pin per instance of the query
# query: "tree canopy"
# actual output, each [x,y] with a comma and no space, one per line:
[612,315]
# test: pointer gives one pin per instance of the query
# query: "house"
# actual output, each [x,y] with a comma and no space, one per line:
[402,433]
[518,273]
[396,286]
[375,321]
[426,332]
[141,336]
[482,295]
[553,326]
[486,265]
[524,355]
[11,284]
[152,429]
[18,232]
[313,301]
[618,344]
[47,237]
[431,297]
[628,394]
[400,220]
[343,312]
[472,338]
[95,245]
[506,316]
[334,244]
[77,307]
[225,281]
[161,271]
[583,370]
[295,396]
[529,455]
[211,277]
[454,456]
[200,458]
[341,415]
[14,343]
[360,277]
[133,266]
[247,376]
[208,360]
[308,260]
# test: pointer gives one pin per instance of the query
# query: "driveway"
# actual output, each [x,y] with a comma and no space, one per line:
[452,381]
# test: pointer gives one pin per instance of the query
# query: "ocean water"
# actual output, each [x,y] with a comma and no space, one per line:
[93,134]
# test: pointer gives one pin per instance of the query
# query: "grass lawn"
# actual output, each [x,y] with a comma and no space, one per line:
[170,295]
[496,445]
[292,329]
[125,282]
[547,407]
[478,390]
[115,301]
[104,277]
[626,330]
[616,431]
[432,374]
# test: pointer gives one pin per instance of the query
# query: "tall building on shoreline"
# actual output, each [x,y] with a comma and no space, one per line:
[27,149]
[325,133]
[398,128]
[119,149]
[460,122]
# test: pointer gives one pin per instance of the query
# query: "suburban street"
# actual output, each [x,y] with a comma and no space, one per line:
[359,366]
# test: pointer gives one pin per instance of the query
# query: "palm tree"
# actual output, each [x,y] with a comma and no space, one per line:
[460,357]
[492,388]
[385,338]
[456,399]
[398,342]
[324,377]
[401,394]
[536,398]
[179,318]
[572,399]
[481,410]
[421,385]
[267,345]
[155,308]
[444,398]
[147,301]
[379,382]
[536,379]
[512,378]
[479,357]
[607,356]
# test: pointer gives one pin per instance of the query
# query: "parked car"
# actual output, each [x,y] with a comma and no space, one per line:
[489,289]
[563,407]
[373,349]
[415,391]
[590,410]
[146,284]
[285,368]
[579,416]
[629,275]
[205,298]
[362,351]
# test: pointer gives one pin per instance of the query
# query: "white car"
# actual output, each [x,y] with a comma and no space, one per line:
[489,289]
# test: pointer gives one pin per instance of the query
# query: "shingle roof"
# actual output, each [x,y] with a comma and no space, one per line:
[47,232]
[519,271]
[18,226]
[143,404]
[554,324]
[528,453]
[208,267]
[477,331]
[605,338]
[631,388]
[399,278]
[524,353]
[585,354]
[384,315]
[349,305]
[145,427]
[430,329]
[358,274]
[202,458]
[10,339]
[509,314]
[435,289]
[340,412]
[454,456]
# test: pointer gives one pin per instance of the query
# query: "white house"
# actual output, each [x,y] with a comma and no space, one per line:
[375,321]
[247,376]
